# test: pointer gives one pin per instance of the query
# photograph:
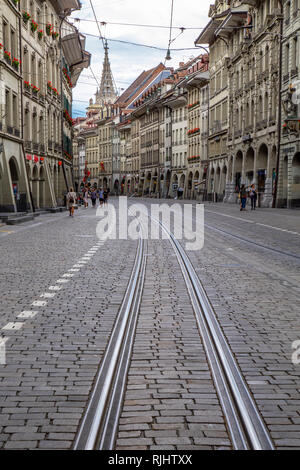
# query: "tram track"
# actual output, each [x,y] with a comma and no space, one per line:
[99,424]
[98,429]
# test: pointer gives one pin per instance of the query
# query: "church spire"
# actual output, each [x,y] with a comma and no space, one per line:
[107,93]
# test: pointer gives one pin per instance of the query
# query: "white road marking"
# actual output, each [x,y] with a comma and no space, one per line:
[39,303]
[13,326]
[54,288]
[3,350]
[27,314]
[253,222]
[67,275]
[62,281]
[47,295]
[74,270]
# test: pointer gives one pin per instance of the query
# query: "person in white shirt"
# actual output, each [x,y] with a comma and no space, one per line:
[71,201]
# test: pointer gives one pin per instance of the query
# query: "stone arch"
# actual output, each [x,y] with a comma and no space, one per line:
[42,187]
[249,166]
[261,166]
[14,170]
[35,186]
[295,196]
[238,167]
[285,165]
[223,179]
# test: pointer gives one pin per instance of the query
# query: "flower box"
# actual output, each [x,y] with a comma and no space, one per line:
[34,26]
[26,16]
[54,34]
[40,34]
[49,29]
[16,63]
[35,89]
[7,56]
[65,72]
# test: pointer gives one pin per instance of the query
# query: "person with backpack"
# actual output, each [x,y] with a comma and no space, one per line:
[253,196]
[101,197]
[94,197]
[243,197]
[71,201]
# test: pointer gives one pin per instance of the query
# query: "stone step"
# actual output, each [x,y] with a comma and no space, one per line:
[11,215]
[54,210]
[19,220]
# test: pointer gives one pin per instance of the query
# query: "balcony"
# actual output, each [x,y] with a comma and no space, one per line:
[294,72]
[35,147]
[286,77]
[237,134]
[249,129]
[262,124]
[27,146]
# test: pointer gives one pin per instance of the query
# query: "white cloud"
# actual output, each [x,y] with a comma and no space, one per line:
[127,61]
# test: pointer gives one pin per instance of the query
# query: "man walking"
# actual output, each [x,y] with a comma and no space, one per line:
[253,197]
[94,197]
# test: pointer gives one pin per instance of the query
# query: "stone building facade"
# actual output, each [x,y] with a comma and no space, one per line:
[288,191]
[47,54]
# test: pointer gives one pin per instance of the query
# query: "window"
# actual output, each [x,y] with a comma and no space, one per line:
[287,57]
[13,48]
[5,36]
[15,111]
[7,108]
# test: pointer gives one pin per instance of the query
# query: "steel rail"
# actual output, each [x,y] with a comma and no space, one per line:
[246,240]
[246,426]
[99,424]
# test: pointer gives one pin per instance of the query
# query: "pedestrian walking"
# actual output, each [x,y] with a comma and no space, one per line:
[243,197]
[94,197]
[253,196]
[86,198]
[101,197]
[105,195]
[71,201]
[180,192]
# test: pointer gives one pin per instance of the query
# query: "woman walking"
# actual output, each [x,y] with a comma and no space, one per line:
[101,197]
[86,198]
[94,197]
[71,200]
[243,197]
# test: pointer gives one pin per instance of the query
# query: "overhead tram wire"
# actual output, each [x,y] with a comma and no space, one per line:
[104,42]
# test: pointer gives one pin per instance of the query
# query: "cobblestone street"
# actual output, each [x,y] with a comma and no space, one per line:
[61,291]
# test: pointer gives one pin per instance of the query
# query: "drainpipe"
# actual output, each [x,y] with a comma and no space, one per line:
[274,202]
[22,117]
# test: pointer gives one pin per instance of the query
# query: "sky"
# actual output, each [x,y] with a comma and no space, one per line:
[128,61]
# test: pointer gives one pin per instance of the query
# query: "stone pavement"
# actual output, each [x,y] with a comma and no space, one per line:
[61,290]
[170,402]
[255,293]
[52,355]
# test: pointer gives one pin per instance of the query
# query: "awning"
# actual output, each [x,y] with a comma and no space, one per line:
[63,5]
[197,79]
[207,35]
[232,20]
[72,49]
